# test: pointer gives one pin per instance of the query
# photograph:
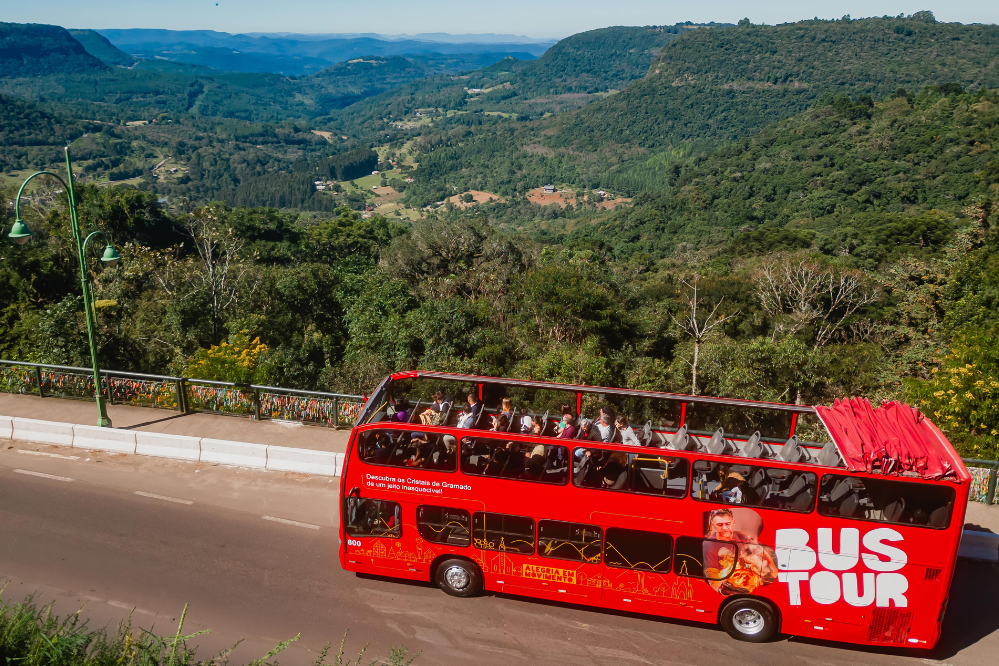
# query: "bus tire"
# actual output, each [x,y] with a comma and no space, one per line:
[459,578]
[750,620]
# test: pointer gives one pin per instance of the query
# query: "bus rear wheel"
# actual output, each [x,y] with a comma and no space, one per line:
[459,578]
[749,620]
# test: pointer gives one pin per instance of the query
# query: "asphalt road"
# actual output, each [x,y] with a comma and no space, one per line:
[152,535]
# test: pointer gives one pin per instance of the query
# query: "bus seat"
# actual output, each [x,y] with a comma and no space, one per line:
[413,415]
[792,451]
[544,423]
[751,447]
[939,516]
[622,479]
[802,501]
[797,485]
[829,456]
[848,507]
[693,443]
[679,439]
[647,434]
[659,440]
[893,510]
[758,479]
[716,444]
[840,490]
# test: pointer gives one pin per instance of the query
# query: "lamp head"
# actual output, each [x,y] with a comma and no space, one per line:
[19,233]
[110,257]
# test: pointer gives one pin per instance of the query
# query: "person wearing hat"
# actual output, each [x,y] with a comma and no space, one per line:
[730,491]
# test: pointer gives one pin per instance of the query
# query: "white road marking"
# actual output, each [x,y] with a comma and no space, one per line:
[50,455]
[42,475]
[129,607]
[164,498]
[290,522]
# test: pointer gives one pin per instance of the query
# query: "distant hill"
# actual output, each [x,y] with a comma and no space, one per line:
[852,178]
[35,49]
[716,84]
[98,46]
[292,55]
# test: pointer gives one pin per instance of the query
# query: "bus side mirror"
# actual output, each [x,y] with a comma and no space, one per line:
[354,492]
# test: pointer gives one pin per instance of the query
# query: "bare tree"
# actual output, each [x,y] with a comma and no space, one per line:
[698,329]
[798,292]
[221,271]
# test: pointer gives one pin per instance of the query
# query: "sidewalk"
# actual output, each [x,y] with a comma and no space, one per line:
[982,518]
[216,426]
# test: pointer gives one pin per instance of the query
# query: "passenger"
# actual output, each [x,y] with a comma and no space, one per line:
[401,411]
[431,416]
[628,435]
[526,423]
[500,422]
[470,415]
[614,472]
[569,429]
[604,428]
[730,491]
[507,410]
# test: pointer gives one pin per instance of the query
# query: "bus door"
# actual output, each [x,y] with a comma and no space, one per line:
[637,571]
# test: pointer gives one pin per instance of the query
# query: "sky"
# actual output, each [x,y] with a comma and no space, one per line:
[532,18]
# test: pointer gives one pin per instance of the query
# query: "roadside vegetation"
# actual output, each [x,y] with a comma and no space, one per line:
[30,635]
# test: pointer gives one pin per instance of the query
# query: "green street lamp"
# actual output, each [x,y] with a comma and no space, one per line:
[20,233]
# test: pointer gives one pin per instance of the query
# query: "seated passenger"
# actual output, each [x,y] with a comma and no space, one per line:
[526,423]
[507,410]
[730,491]
[432,414]
[614,472]
[568,425]
[603,429]
[628,435]
[471,414]
[401,411]
[500,422]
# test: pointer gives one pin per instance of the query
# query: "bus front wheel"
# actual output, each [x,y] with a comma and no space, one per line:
[459,578]
[749,620]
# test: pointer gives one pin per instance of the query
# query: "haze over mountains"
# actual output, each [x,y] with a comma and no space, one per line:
[294,54]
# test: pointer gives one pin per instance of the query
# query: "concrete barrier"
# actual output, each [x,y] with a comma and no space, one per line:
[305,461]
[977,545]
[167,446]
[42,432]
[6,427]
[103,439]
[233,453]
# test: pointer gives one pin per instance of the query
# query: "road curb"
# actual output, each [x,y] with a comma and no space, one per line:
[977,545]
[177,447]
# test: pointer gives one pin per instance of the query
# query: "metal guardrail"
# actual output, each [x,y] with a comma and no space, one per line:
[183,394]
[983,485]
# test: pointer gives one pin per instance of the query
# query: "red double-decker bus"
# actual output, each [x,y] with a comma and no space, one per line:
[838,522]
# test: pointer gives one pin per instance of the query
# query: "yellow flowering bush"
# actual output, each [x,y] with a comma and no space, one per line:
[962,394]
[235,360]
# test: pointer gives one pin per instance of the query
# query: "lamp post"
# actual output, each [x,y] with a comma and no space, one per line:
[20,233]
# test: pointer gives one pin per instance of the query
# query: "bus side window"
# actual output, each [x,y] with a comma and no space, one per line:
[705,558]
[643,473]
[438,524]
[750,485]
[497,531]
[898,502]
[638,550]
[569,541]
[409,449]
[369,517]
[659,475]
[524,461]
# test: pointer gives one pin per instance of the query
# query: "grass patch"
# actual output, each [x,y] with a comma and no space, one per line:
[32,636]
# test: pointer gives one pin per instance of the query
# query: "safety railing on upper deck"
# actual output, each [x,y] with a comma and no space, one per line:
[983,479]
[183,394]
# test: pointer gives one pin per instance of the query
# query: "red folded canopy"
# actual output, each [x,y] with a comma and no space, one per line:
[892,439]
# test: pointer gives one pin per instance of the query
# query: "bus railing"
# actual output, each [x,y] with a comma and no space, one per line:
[183,394]
[983,479]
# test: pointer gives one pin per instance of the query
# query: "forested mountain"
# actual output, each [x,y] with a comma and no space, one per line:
[98,46]
[711,85]
[31,49]
[33,136]
[850,178]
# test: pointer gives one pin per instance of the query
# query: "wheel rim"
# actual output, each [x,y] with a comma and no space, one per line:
[457,577]
[748,621]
